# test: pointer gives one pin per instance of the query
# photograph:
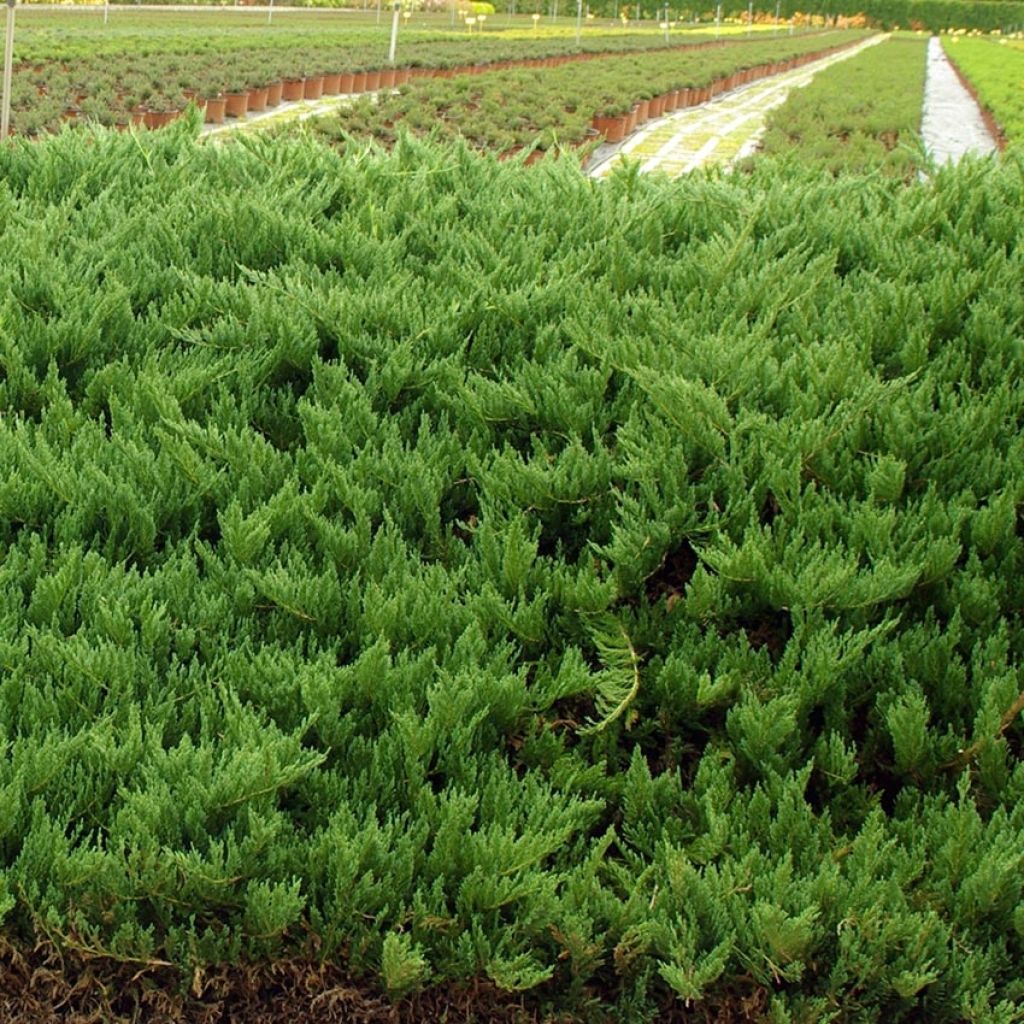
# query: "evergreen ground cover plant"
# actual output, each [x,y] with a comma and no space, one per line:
[860,114]
[604,595]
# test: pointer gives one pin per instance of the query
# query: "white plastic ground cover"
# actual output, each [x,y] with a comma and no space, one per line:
[952,125]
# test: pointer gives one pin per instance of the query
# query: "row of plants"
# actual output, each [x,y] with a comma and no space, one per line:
[116,90]
[605,597]
[56,35]
[941,15]
[995,74]
[63,34]
[510,110]
[931,15]
[858,115]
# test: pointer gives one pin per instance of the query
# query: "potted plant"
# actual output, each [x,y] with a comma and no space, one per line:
[313,83]
[236,94]
[161,109]
[215,104]
[612,120]
[293,88]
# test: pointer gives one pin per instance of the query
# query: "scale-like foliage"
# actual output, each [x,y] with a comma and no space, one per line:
[608,590]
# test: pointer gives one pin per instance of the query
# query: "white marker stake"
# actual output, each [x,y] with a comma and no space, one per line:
[394,32]
[106,11]
[5,116]
[579,21]
[270,13]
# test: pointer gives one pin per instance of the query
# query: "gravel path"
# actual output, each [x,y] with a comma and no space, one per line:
[718,132]
[952,125]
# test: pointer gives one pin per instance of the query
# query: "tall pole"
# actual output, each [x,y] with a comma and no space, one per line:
[394,32]
[106,11]
[750,16]
[270,12]
[579,21]
[5,115]
[666,22]
[378,12]
[778,7]
[718,21]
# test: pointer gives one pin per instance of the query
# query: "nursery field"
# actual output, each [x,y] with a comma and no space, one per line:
[509,110]
[62,35]
[71,68]
[433,588]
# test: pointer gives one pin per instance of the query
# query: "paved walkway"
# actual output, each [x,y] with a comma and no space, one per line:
[952,125]
[718,132]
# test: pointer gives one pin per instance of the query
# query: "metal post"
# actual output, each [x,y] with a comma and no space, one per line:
[270,12]
[106,11]
[718,21]
[666,23]
[579,21]
[394,32]
[5,115]
[750,16]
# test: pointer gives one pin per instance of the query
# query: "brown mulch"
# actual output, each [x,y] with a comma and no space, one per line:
[45,986]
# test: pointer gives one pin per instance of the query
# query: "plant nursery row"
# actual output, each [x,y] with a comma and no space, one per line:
[858,115]
[595,599]
[112,91]
[509,110]
[169,30]
[50,34]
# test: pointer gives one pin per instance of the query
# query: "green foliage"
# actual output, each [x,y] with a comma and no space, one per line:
[402,966]
[859,115]
[611,590]
[507,110]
